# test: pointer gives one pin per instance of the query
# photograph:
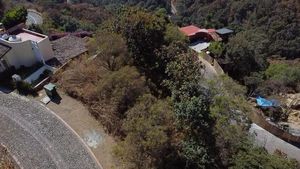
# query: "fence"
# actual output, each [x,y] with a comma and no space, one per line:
[259,119]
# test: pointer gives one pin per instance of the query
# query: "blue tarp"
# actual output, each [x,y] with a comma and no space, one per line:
[266,103]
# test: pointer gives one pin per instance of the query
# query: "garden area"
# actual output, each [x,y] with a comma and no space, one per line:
[23,86]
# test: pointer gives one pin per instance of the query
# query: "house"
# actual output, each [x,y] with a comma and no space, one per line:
[195,34]
[67,48]
[224,33]
[22,47]
[200,38]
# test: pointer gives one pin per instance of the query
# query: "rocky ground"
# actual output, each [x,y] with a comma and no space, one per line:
[293,103]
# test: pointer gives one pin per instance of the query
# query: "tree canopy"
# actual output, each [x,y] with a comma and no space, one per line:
[14,17]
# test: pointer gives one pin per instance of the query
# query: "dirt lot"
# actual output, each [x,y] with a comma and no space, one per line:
[75,114]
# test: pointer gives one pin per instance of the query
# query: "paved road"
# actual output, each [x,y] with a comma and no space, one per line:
[38,139]
[209,72]
[271,143]
[34,17]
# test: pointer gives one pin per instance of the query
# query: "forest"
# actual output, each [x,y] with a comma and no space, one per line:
[146,87]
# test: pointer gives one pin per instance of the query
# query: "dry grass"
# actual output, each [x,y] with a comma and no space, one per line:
[80,78]
[107,94]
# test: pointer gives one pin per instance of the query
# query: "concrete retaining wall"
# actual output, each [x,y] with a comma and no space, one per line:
[213,62]
[37,74]
[259,119]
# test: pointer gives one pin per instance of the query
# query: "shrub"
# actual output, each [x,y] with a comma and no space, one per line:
[14,17]
[115,94]
[290,75]
[25,88]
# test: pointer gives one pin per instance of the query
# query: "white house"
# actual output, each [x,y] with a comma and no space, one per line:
[19,46]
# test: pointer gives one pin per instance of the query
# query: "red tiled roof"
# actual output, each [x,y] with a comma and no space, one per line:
[211,30]
[190,30]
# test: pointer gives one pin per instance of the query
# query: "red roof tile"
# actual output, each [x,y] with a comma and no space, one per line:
[190,30]
[211,30]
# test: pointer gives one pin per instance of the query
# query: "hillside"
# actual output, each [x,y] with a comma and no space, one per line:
[144,84]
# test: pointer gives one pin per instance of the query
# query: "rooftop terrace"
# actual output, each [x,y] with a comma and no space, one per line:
[22,35]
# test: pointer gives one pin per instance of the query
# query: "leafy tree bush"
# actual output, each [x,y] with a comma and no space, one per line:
[36,28]
[245,52]
[258,158]
[277,78]
[14,17]
[1,9]
[148,143]
[115,94]
[140,30]
[191,107]
[25,88]
[173,34]
[110,49]
[216,48]
[289,75]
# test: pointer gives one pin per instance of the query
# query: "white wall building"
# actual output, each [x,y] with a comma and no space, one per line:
[23,47]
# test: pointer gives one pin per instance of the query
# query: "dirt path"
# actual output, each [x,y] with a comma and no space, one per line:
[76,115]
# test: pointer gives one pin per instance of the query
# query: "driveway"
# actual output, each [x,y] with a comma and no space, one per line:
[271,143]
[34,17]
[209,72]
[39,139]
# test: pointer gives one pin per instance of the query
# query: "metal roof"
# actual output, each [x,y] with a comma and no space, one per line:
[190,30]
[199,46]
[224,31]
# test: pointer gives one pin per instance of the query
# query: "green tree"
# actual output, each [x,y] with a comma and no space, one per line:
[36,28]
[149,129]
[191,107]
[70,24]
[259,158]
[230,110]
[173,34]
[216,48]
[14,16]
[284,73]
[246,53]
[2,8]
[110,49]
[144,34]
[115,94]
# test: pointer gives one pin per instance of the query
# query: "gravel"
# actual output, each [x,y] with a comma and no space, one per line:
[38,139]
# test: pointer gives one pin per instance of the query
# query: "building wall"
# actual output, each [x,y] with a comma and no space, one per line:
[21,53]
[46,49]
[28,53]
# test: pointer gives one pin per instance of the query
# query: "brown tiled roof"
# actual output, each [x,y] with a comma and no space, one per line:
[3,50]
[68,47]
